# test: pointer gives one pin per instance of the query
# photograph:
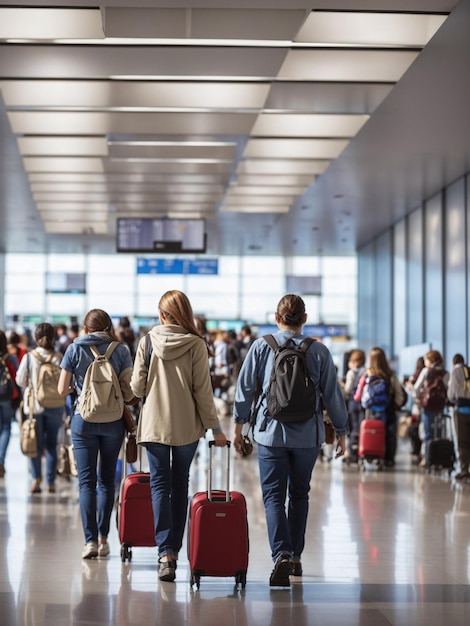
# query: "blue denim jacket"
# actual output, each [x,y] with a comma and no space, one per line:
[257,367]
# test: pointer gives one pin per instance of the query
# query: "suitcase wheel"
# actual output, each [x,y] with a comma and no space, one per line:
[126,553]
[240,579]
[195,580]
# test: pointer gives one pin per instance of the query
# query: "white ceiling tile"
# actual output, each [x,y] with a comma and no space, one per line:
[102,123]
[294,148]
[64,146]
[347,65]
[73,207]
[50,23]
[307,125]
[266,190]
[135,94]
[77,227]
[283,166]
[230,208]
[369,29]
[62,164]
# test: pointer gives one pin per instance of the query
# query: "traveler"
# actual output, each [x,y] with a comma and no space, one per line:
[171,370]
[48,420]
[93,439]
[63,338]
[126,334]
[287,452]
[433,369]
[16,346]
[459,394]
[8,367]
[246,341]
[356,365]
[395,397]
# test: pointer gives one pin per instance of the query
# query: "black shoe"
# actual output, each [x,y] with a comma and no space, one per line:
[296,568]
[166,571]
[280,574]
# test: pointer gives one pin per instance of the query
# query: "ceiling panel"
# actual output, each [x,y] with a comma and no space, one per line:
[318,123]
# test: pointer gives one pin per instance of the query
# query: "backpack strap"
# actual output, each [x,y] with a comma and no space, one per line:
[109,350]
[148,348]
[40,358]
[272,343]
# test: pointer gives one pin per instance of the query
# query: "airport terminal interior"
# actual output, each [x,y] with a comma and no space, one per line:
[238,150]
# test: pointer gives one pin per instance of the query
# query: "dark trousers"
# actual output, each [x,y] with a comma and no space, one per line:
[463,440]
[356,415]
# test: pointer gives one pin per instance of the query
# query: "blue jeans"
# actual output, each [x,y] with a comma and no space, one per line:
[48,426]
[88,440]
[169,486]
[6,416]
[428,418]
[286,471]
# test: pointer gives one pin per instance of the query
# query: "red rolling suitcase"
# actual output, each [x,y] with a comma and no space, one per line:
[135,522]
[372,442]
[218,518]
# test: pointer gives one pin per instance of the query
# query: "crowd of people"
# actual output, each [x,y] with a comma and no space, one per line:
[432,402]
[176,373]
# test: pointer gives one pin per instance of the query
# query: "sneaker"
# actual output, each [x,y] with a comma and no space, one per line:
[462,475]
[90,551]
[296,568]
[280,574]
[51,488]
[103,549]
[166,571]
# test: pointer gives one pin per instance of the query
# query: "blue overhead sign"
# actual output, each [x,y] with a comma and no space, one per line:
[208,267]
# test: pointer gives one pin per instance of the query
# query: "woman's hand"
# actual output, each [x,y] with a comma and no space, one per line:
[220,440]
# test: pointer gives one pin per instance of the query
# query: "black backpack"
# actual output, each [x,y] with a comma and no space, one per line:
[291,395]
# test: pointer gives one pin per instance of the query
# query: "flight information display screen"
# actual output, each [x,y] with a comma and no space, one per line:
[161,235]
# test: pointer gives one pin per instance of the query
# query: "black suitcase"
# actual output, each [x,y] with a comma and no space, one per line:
[441,453]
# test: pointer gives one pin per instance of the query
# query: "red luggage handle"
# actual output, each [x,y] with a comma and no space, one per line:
[209,472]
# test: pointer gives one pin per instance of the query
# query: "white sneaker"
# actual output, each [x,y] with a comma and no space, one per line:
[103,549]
[90,551]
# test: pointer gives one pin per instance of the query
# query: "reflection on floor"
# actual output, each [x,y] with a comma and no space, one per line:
[389,547]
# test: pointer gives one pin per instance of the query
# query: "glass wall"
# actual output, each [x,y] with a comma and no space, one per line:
[429,290]
[244,288]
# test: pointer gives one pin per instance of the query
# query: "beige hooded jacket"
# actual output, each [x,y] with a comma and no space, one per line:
[179,402]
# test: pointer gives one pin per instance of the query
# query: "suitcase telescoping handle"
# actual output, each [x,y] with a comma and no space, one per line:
[209,472]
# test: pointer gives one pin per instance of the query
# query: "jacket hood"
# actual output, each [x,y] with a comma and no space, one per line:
[171,342]
[92,339]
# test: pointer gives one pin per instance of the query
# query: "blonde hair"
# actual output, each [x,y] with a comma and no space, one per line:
[177,308]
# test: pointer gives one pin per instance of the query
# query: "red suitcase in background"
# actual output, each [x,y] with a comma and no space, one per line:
[371,442]
[218,531]
[135,522]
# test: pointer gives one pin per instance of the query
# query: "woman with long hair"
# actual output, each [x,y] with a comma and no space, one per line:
[380,368]
[171,370]
[433,368]
[48,420]
[96,440]
[8,365]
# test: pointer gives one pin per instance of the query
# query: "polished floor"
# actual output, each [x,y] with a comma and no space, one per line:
[389,547]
